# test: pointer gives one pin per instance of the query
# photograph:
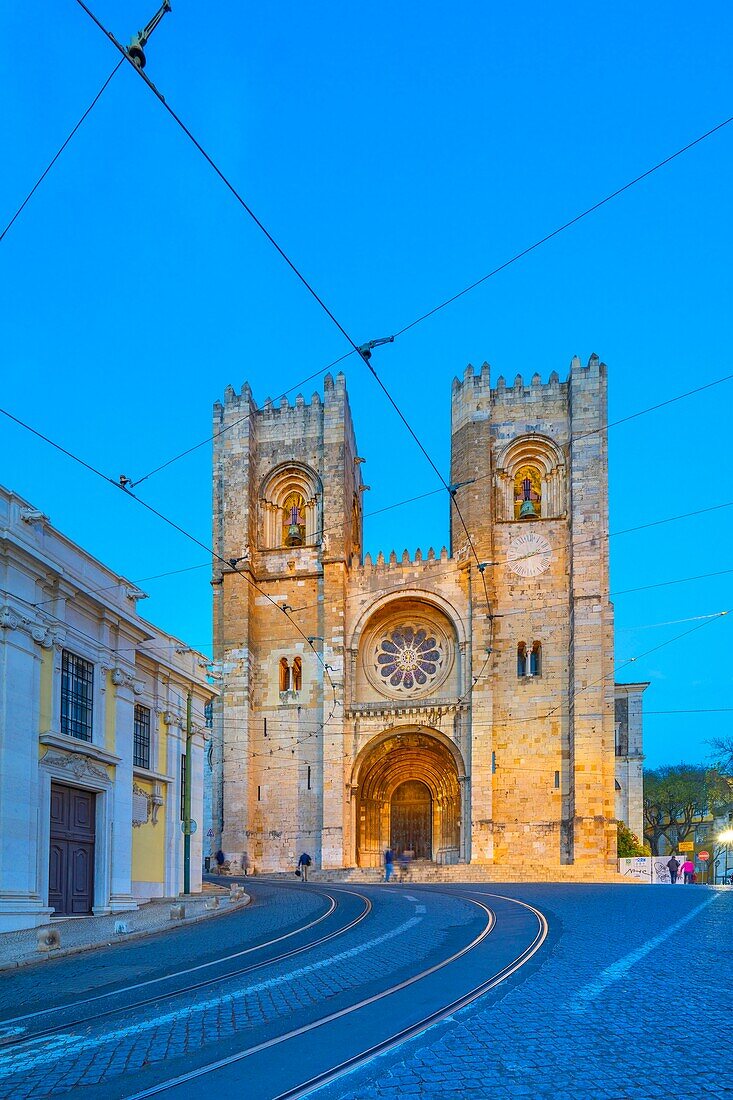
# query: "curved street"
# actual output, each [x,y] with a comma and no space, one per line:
[379,991]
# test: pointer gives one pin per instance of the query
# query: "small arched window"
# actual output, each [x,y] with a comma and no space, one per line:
[529,659]
[297,674]
[521,659]
[284,674]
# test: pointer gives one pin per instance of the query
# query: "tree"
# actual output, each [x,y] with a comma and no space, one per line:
[677,795]
[723,749]
[628,843]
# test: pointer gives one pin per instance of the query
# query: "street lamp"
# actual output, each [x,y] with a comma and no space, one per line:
[726,838]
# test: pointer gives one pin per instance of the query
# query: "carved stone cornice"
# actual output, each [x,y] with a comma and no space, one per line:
[426,712]
[76,748]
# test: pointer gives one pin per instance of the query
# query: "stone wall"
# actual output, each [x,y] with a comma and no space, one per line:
[534,753]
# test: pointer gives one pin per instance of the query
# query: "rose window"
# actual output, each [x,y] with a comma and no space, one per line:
[409,657]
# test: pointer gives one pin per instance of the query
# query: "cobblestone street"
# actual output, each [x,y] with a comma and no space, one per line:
[307,978]
[631,999]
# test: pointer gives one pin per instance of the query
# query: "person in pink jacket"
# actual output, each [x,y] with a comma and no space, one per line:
[688,870]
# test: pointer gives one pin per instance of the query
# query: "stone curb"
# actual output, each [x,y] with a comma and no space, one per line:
[80,948]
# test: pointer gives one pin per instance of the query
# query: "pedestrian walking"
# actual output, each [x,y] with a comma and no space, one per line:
[388,864]
[688,870]
[245,864]
[219,857]
[673,866]
[303,864]
[404,861]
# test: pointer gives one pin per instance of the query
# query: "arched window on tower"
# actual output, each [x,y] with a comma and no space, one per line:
[284,674]
[527,493]
[289,510]
[293,520]
[529,659]
[522,659]
[297,674]
[530,479]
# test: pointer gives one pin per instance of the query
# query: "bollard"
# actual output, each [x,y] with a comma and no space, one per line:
[212,903]
[49,939]
[178,912]
[121,927]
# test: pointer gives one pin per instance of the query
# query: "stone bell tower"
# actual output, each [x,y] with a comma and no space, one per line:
[287,518]
[531,462]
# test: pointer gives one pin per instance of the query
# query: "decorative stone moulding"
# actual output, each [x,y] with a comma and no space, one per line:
[145,805]
[78,765]
[13,620]
[408,656]
[120,678]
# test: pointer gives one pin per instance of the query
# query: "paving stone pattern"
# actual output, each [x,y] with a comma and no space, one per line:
[28,988]
[602,1017]
[396,943]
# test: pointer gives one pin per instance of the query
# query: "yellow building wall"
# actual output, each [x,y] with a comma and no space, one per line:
[44,718]
[148,843]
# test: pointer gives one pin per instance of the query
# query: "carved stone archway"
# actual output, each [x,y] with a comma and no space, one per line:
[383,769]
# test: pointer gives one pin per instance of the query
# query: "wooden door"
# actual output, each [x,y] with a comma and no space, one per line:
[71,850]
[411,819]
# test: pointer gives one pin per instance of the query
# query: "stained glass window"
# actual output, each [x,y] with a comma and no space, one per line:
[408,657]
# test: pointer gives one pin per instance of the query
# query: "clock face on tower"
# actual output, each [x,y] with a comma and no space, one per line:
[529,554]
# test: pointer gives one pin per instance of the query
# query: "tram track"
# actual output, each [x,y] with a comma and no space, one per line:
[329,1076]
[389,1042]
[12,1033]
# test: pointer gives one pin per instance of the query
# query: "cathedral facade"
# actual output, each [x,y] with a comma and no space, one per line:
[458,703]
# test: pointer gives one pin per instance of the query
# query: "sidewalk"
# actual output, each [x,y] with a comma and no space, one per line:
[78,934]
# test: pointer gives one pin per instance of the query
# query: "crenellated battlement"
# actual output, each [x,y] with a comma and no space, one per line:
[533,389]
[333,389]
[405,562]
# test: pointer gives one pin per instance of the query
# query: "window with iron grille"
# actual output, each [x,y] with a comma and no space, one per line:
[77,696]
[141,743]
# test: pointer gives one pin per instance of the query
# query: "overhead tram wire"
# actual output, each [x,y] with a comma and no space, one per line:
[362,351]
[187,534]
[431,492]
[566,225]
[53,160]
[235,423]
[453,564]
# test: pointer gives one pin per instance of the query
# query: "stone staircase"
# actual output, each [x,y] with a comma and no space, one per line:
[424,872]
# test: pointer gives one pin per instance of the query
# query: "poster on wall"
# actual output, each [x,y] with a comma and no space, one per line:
[651,869]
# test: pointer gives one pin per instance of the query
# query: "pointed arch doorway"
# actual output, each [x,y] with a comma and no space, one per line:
[408,796]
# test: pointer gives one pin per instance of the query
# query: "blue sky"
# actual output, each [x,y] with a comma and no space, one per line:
[397,152]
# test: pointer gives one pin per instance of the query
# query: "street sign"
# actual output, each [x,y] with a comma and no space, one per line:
[686,846]
[703,856]
[192,827]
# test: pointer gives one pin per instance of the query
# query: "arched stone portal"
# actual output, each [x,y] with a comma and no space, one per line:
[408,795]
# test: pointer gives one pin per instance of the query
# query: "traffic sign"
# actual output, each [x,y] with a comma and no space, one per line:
[188,827]
[686,846]
[703,856]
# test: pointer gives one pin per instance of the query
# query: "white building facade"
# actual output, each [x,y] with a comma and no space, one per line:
[92,734]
